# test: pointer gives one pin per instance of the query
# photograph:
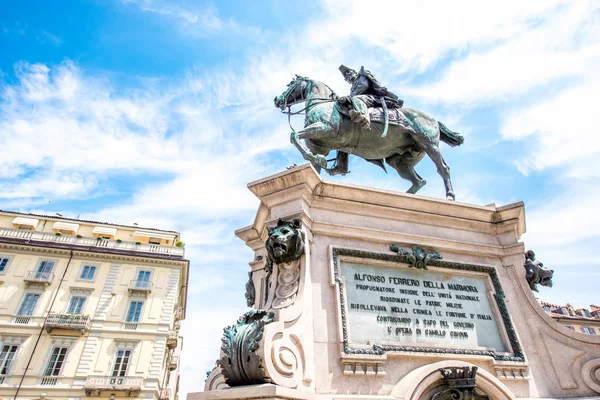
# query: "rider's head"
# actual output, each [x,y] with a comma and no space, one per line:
[349,74]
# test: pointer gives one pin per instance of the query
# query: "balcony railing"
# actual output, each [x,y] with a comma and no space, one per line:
[39,277]
[165,394]
[128,384]
[90,242]
[68,321]
[22,319]
[140,286]
[173,363]
[172,339]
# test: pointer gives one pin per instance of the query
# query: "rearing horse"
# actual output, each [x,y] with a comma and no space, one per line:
[406,143]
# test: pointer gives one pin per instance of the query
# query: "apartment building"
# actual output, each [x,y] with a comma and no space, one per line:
[579,319]
[88,309]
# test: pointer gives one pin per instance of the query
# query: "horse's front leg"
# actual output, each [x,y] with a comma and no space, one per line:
[318,130]
[315,159]
[312,131]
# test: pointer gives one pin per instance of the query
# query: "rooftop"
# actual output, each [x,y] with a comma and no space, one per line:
[76,220]
[570,312]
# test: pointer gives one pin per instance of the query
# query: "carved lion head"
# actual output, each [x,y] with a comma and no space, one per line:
[285,242]
[546,277]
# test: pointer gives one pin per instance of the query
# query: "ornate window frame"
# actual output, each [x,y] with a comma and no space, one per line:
[57,343]
[8,263]
[13,340]
[86,264]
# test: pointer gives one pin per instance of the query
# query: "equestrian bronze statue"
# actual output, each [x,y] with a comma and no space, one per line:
[370,123]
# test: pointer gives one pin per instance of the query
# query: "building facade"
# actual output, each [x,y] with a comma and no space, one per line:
[88,309]
[578,319]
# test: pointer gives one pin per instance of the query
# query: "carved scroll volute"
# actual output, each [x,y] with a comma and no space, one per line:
[270,345]
[285,340]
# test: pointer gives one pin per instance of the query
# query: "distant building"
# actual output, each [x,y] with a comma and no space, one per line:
[579,319]
[89,309]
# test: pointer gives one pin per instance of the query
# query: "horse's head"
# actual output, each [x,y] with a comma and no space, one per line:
[295,93]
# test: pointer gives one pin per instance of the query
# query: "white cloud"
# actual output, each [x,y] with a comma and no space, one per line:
[564,127]
[418,34]
[193,19]
[545,45]
[202,331]
[47,37]
[565,219]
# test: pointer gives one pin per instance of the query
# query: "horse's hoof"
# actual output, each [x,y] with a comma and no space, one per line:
[416,187]
[451,197]
[320,160]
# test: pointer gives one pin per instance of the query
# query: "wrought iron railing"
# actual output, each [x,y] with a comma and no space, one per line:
[68,321]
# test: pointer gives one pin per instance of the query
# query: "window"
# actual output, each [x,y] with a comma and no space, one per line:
[28,304]
[153,240]
[570,327]
[547,309]
[135,309]
[44,269]
[4,261]
[56,361]
[588,330]
[88,272]
[121,362]
[76,305]
[7,354]
[143,279]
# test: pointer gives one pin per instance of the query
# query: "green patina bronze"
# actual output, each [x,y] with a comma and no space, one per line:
[357,125]
[240,363]
[418,258]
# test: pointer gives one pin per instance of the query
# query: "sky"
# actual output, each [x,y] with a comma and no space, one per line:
[160,112]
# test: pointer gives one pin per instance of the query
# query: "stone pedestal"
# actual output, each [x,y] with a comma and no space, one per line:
[354,318]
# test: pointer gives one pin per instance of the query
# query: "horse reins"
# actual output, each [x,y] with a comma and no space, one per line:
[310,104]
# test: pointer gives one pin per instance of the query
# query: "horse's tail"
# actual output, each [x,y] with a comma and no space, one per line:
[450,137]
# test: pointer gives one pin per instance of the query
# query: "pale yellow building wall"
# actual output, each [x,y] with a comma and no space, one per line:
[93,352]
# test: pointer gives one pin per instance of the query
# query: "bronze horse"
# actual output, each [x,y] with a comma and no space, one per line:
[406,143]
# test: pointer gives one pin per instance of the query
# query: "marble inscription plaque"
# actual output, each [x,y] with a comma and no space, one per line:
[409,306]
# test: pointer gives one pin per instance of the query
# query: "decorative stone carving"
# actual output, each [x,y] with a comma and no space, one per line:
[591,374]
[419,257]
[459,384]
[285,246]
[239,362]
[285,242]
[252,353]
[288,281]
[536,273]
[250,291]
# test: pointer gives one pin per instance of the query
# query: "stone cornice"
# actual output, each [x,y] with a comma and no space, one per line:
[46,248]
[301,190]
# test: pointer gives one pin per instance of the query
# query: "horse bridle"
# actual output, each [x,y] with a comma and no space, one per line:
[289,112]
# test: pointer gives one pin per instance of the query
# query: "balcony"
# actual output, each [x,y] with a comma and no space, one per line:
[173,363]
[67,321]
[28,236]
[172,339]
[143,287]
[39,277]
[131,385]
[165,394]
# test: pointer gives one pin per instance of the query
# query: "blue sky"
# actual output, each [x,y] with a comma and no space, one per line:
[159,112]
